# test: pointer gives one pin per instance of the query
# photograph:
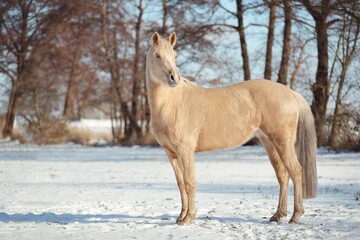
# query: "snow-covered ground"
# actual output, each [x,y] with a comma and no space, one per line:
[73,192]
[93,125]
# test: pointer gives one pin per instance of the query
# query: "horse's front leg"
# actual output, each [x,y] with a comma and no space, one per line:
[178,169]
[186,157]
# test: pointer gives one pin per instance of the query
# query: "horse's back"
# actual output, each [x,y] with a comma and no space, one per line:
[234,113]
[266,88]
[277,105]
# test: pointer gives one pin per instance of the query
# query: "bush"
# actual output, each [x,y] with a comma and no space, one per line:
[52,131]
[347,135]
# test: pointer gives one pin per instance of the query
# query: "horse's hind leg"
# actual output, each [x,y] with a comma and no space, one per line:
[282,177]
[178,169]
[287,154]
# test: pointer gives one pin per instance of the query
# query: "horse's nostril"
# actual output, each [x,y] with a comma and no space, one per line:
[172,77]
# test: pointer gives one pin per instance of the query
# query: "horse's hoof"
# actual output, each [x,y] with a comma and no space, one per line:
[186,220]
[294,221]
[182,222]
[277,216]
[180,219]
[275,219]
[182,216]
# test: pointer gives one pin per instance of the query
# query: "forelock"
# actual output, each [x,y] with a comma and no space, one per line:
[164,45]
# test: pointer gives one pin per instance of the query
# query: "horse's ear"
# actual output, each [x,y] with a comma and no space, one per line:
[172,39]
[155,39]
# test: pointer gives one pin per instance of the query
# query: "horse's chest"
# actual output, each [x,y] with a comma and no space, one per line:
[163,130]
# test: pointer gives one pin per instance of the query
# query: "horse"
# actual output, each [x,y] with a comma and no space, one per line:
[187,118]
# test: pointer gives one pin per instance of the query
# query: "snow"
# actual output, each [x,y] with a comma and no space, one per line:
[73,192]
[100,125]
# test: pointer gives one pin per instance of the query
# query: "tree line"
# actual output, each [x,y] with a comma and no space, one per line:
[66,60]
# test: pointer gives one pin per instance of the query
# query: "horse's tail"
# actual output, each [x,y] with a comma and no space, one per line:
[306,147]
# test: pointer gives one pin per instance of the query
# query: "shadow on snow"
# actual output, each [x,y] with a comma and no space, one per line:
[65,218]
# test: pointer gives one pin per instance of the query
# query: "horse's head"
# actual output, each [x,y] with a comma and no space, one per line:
[161,60]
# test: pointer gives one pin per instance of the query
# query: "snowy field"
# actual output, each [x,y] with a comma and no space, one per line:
[73,192]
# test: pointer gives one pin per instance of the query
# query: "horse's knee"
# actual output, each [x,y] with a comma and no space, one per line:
[181,185]
[189,187]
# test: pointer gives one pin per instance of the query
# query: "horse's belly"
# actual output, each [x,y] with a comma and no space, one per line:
[214,139]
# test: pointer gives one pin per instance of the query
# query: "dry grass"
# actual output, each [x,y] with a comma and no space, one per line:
[52,131]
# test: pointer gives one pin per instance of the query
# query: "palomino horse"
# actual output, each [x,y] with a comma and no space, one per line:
[187,118]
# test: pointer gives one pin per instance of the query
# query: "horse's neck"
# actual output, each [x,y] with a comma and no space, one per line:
[161,96]
[158,95]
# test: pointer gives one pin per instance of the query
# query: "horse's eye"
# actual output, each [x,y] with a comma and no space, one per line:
[157,56]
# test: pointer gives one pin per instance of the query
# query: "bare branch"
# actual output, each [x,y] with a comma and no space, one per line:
[218,25]
[225,9]
[9,73]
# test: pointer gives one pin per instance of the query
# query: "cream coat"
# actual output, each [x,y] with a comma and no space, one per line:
[186,118]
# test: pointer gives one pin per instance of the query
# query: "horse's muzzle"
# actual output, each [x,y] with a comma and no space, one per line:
[173,80]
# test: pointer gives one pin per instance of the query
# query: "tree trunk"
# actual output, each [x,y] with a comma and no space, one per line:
[71,91]
[136,80]
[295,72]
[20,51]
[321,86]
[282,75]
[69,100]
[14,94]
[270,40]
[163,30]
[335,122]
[241,30]
[10,114]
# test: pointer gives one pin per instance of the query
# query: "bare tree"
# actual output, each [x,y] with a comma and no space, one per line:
[194,29]
[298,56]
[270,38]
[348,39]
[65,60]
[320,13]
[241,30]
[163,30]
[135,128]
[282,75]
[111,44]
[25,27]
[111,56]
[74,32]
